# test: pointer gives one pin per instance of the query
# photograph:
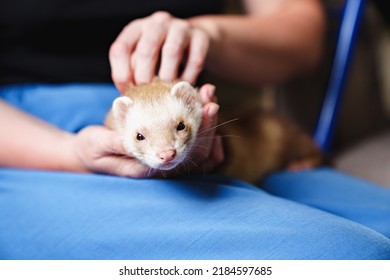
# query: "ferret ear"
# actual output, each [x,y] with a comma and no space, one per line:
[185,91]
[120,107]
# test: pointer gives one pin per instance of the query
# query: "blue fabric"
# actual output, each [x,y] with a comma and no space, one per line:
[70,107]
[319,214]
[336,193]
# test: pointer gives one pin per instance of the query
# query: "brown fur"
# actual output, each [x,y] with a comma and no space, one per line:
[259,143]
[142,93]
[256,144]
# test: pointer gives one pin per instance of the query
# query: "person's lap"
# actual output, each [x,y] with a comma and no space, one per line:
[53,215]
[337,193]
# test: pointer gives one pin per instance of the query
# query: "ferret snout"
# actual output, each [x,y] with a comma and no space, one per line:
[167,155]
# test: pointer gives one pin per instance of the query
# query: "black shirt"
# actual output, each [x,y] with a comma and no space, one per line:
[58,41]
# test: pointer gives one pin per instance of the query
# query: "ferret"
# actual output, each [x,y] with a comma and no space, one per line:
[160,122]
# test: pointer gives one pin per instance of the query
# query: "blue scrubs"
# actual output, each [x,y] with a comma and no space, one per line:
[317,214]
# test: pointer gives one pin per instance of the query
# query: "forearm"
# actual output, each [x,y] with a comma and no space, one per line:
[27,142]
[268,46]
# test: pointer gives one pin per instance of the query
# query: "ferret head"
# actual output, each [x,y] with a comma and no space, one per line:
[160,129]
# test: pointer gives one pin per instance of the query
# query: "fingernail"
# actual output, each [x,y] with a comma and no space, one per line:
[213,110]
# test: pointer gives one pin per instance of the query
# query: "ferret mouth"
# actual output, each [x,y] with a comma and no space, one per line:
[168,165]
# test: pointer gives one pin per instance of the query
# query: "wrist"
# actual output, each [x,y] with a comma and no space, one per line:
[210,26]
[68,157]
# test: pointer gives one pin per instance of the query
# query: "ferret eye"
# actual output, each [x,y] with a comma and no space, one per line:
[140,137]
[180,126]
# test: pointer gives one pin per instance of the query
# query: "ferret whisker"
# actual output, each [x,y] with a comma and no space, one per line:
[150,171]
[206,129]
[189,160]
[163,173]
[199,169]
[182,168]
[188,167]
[199,145]
[222,136]
[202,148]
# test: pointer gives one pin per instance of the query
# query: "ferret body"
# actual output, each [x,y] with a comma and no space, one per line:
[264,142]
[160,121]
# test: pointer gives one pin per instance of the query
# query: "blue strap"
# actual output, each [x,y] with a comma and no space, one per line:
[346,41]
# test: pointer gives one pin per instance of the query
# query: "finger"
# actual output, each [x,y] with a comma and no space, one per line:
[148,48]
[114,144]
[217,151]
[176,42]
[126,167]
[206,131]
[120,53]
[209,116]
[115,159]
[134,169]
[216,156]
[197,54]
[107,141]
[207,94]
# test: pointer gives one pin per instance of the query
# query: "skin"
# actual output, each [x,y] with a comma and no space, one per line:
[275,41]
[93,149]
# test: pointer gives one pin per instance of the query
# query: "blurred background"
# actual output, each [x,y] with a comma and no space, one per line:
[361,142]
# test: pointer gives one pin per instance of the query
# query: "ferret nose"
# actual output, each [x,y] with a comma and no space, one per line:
[167,155]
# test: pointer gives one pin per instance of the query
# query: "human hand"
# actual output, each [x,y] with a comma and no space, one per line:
[135,54]
[100,150]
[208,146]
